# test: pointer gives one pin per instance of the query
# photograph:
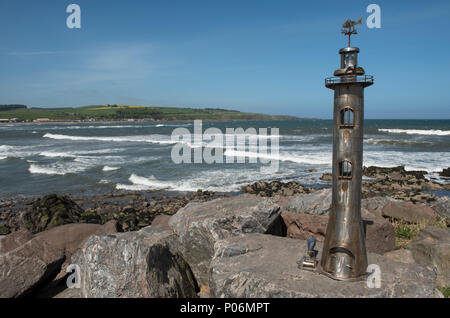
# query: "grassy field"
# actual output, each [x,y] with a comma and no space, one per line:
[121,112]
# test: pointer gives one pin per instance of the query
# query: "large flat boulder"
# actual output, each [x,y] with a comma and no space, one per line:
[71,237]
[199,226]
[14,240]
[317,202]
[401,255]
[301,226]
[26,263]
[134,264]
[380,234]
[432,246]
[409,212]
[376,204]
[257,265]
[161,222]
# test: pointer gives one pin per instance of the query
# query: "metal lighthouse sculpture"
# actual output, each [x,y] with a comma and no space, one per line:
[344,255]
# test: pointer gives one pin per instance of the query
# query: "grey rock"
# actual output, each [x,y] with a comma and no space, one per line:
[380,234]
[376,204]
[26,267]
[199,226]
[161,222]
[432,246]
[70,237]
[317,202]
[14,240]
[442,208]
[134,264]
[401,255]
[257,265]
[409,212]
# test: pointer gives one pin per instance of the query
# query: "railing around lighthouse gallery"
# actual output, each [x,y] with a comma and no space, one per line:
[346,79]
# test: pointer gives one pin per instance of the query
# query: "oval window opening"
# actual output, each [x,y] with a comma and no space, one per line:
[347,118]
[345,169]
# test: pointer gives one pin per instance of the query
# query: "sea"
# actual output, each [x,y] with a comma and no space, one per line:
[103,158]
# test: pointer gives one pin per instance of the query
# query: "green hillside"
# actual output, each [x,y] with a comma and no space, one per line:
[122,112]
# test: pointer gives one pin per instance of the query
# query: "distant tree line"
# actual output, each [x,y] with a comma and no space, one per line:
[224,110]
[12,107]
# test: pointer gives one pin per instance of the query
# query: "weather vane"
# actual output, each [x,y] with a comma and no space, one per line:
[349,28]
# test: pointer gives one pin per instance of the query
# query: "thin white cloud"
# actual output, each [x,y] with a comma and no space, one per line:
[36,53]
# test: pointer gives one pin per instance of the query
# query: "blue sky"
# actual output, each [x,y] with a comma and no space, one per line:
[249,55]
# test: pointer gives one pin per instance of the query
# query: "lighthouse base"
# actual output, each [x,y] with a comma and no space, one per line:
[321,271]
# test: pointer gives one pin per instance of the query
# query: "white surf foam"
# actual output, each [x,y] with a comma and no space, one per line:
[228,180]
[3,157]
[100,127]
[417,131]
[61,167]
[16,151]
[173,125]
[107,168]
[376,141]
[52,154]
[151,183]
[35,169]
[156,139]
[317,158]
[427,161]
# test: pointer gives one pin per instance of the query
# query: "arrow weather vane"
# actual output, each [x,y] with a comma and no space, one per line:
[349,28]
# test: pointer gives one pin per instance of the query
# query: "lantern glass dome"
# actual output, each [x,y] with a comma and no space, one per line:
[349,57]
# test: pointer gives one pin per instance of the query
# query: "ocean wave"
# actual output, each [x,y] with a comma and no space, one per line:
[172,125]
[97,151]
[151,183]
[318,158]
[35,169]
[16,151]
[3,157]
[228,180]
[426,161]
[100,127]
[157,139]
[394,142]
[108,168]
[52,154]
[59,168]
[417,131]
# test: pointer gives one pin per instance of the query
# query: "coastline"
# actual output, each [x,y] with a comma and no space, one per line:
[138,121]
[136,209]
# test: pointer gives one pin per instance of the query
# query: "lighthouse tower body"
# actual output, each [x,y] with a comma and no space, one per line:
[344,254]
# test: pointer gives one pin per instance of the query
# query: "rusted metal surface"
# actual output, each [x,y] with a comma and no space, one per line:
[344,255]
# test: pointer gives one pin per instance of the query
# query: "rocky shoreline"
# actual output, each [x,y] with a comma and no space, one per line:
[403,221]
[136,210]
